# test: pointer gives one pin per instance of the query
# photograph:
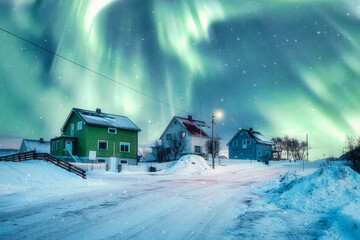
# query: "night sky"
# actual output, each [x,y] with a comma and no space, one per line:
[280,67]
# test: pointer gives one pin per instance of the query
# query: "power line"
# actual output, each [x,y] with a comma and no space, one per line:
[91,70]
[102,75]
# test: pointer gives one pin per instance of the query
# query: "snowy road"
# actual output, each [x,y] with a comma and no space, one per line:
[141,207]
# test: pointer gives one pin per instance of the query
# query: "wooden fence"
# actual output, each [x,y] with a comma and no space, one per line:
[32,155]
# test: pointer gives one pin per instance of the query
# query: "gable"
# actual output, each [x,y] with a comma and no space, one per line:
[171,125]
[73,117]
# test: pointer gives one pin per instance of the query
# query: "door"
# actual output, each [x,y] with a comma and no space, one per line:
[69,146]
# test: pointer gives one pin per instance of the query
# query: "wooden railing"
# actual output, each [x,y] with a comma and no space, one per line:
[32,155]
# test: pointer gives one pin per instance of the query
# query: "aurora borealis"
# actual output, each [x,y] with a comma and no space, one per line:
[278,66]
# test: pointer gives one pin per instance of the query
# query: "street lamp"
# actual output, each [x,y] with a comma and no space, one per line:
[219,115]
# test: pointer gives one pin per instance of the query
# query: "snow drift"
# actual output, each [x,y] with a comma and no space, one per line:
[328,189]
[331,194]
[37,176]
[188,165]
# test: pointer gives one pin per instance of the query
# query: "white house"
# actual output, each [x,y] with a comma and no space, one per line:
[190,133]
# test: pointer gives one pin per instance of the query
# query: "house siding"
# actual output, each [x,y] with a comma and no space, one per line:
[82,135]
[250,152]
[239,152]
[191,141]
[175,129]
[87,140]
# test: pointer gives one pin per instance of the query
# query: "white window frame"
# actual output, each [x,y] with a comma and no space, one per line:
[79,126]
[196,147]
[125,144]
[246,143]
[107,145]
[112,129]
[237,143]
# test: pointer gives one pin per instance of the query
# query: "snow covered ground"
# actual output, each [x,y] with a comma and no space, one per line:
[41,201]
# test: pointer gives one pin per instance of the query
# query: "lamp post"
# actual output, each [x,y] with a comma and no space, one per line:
[219,114]
[213,141]
[307,147]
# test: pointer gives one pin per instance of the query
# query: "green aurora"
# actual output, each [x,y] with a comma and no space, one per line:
[279,66]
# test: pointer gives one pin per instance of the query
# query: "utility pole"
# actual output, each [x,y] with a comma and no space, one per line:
[213,141]
[307,147]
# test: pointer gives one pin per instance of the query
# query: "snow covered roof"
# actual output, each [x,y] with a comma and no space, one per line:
[196,127]
[39,145]
[98,118]
[257,136]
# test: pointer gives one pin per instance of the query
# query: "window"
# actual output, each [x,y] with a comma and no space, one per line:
[267,154]
[124,147]
[72,126]
[183,134]
[235,143]
[246,143]
[53,146]
[259,153]
[79,126]
[101,160]
[123,161]
[197,149]
[168,136]
[57,145]
[112,130]
[175,122]
[102,145]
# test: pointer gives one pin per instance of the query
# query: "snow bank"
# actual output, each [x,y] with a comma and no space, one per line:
[188,165]
[37,176]
[327,190]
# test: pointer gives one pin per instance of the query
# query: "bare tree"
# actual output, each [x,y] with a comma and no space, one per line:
[278,146]
[160,152]
[291,148]
[353,155]
[352,142]
[208,147]
[177,144]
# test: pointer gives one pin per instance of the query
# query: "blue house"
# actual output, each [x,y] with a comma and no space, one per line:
[249,144]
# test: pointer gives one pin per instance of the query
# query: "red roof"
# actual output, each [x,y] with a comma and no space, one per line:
[195,127]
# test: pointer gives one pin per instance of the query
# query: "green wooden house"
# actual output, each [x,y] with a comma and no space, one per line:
[96,137]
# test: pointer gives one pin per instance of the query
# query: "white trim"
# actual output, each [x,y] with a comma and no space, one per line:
[102,141]
[125,144]
[200,148]
[111,128]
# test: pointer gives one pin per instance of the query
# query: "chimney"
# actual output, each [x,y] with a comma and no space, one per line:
[41,140]
[190,118]
[98,110]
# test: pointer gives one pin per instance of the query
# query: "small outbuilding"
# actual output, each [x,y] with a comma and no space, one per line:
[40,146]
